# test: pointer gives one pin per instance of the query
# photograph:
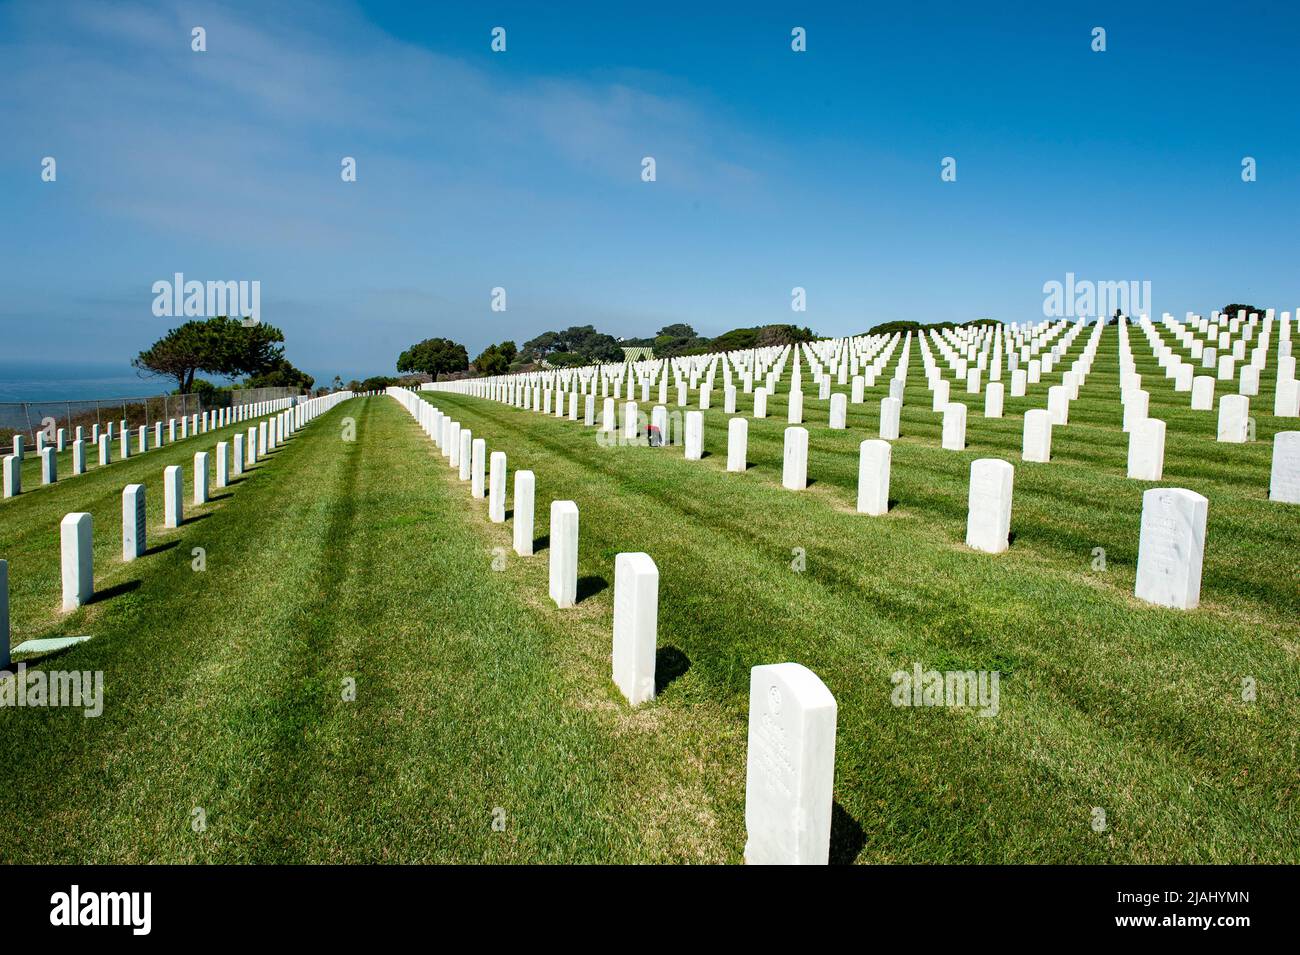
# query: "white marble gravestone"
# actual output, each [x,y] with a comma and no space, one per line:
[939,399]
[988,512]
[874,456]
[564,553]
[223,464]
[1202,393]
[993,400]
[1284,478]
[839,411]
[760,402]
[636,613]
[464,453]
[497,488]
[13,476]
[79,456]
[477,468]
[891,412]
[522,517]
[1036,444]
[794,410]
[1171,547]
[794,471]
[954,427]
[201,477]
[76,545]
[1234,414]
[173,496]
[49,466]
[1146,450]
[790,767]
[134,526]
[737,444]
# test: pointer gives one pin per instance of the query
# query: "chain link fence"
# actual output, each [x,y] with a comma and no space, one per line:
[28,417]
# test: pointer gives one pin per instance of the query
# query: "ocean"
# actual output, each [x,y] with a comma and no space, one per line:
[76,381]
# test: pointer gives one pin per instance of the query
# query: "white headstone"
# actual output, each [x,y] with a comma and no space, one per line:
[564,553]
[1146,450]
[13,476]
[988,513]
[201,477]
[173,503]
[76,540]
[105,455]
[839,411]
[237,459]
[1171,547]
[694,435]
[478,468]
[760,402]
[1037,442]
[794,412]
[223,463]
[464,453]
[993,400]
[790,767]
[891,412]
[737,444]
[1202,393]
[954,427]
[497,488]
[794,472]
[874,457]
[79,456]
[940,397]
[49,466]
[636,612]
[1284,480]
[522,518]
[1234,413]
[134,525]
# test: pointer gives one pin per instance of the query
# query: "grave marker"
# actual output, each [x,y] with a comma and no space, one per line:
[522,518]
[790,767]
[873,476]
[1171,547]
[988,513]
[564,553]
[134,526]
[76,538]
[636,612]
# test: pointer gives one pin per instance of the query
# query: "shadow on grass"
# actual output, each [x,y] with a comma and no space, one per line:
[590,585]
[159,548]
[847,837]
[541,543]
[219,497]
[115,591]
[39,659]
[670,664]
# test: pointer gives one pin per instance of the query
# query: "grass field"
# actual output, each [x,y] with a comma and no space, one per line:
[476,699]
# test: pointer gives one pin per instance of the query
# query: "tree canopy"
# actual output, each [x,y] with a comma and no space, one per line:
[496,359]
[434,356]
[219,346]
[281,374]
[581,340]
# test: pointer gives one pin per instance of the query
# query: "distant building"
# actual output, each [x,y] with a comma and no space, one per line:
[638,354]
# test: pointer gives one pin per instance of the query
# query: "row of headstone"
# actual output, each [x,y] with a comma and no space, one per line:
[76,530]
[791,750]
[200,423]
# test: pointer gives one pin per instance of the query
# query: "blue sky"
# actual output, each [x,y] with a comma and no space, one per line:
[522,169]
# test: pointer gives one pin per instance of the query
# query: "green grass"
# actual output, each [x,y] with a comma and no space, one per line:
[369,560]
